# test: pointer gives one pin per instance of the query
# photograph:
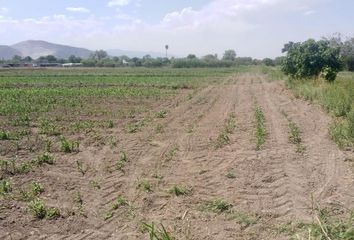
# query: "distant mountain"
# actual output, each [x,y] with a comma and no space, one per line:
[131,54]
[35,49]
[7,52]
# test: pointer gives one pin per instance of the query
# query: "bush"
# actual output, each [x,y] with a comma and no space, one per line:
[312,59]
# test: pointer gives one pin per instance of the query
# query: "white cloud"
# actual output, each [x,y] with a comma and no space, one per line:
[257,28]
[78,9]
[309,12]
[118,3]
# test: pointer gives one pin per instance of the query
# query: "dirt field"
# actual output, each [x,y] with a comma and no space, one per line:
[260,191]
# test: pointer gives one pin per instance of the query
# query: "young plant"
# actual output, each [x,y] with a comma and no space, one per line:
[260,128]
[36,188]
[179,190]
[118,203]
[110,124]
[217,206]
[5,187]
[69,146]
[230,175]
[161,114]
[95,184]
[145,185]
[4,135]
[121,161]
[224,138]
[156,233]
[80,202]
[40,211]
[45,158]
[294,133]
[80,167]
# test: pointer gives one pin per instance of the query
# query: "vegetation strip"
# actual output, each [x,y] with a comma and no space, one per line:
[260,128]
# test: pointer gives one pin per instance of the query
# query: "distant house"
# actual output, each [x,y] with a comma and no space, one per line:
[49,65]
[71,65]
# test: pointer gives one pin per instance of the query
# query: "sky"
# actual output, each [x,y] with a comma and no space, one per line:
[256,28]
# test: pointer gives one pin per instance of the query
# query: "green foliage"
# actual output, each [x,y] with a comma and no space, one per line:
[200,63]
[79,202]
[179,190]
[224,138]
[4,135]
[95,184]
[145,185]
[337,98]
[325,225]
[242,218]
[37,208]
[294,133]
[110,124]
[230,175]
[68,146]
[156,233]
[161,114]
[260,128]
[40,211]
[36,188]
[45,158]
[121,161]
[80,167]
[217,206]
[117,204]
[229,55]
[5,187]
[311,59]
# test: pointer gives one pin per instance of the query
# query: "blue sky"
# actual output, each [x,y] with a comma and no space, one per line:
[256,28]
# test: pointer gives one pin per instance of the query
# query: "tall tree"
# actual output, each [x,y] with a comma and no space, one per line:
[311,59]
[166,47]
[229,55]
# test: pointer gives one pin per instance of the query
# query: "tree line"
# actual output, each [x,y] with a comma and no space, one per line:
[314,59]
[100,58]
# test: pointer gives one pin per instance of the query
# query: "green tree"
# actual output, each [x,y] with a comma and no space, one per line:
[268,62]
[192,56]
[311,59]
[28,59]
[16,59]
[51,59]
[210,57]
[99,55]
[229,55]
[74,59]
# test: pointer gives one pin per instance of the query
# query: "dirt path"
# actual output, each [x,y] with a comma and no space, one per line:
[266,188]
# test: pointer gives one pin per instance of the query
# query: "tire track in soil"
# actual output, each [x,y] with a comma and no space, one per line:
[144,161]
[327,177]
[275,183]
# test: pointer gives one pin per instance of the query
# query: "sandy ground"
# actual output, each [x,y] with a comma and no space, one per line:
[273,185]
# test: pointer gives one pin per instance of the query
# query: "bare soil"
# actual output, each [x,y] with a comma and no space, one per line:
[272,186]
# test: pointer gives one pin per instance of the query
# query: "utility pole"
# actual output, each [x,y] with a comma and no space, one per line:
[166,47]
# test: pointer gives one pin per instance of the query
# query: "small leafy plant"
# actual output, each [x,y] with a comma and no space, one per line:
[179,190]
[80,167]
[145,185]
[5,187]
[156,233]
[217,206]
[45,158]
[68,146]
[40,211]
[260,128]
[121,161]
